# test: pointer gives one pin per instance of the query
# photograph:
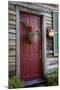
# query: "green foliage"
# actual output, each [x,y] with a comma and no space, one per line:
[52,78]
[15,83]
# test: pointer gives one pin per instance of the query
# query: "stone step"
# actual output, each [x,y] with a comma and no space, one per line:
[34,83]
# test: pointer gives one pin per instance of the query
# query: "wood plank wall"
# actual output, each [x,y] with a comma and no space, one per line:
[12,38]
[51,61]
[49,42]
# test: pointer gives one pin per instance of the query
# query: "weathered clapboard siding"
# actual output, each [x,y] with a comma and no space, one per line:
[49,20]
[13,31]
[51,61]
[48,15]
[12,37]
[12,59]
[12,17]
[13,12]
[12,68]
[12,42]
[11,22]
[12,47]
[52,66]
[12,63]
[12,52]
[12,26]
[11,7]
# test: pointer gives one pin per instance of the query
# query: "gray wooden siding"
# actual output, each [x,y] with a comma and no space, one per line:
[38,6]
[49,40]
[51,61]
[12,38]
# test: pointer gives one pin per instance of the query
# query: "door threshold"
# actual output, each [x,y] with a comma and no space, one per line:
[32,82]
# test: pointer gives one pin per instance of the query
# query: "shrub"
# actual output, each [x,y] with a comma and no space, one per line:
[15,83]
[52,78]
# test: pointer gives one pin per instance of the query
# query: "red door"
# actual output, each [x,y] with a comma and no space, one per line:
[30,53]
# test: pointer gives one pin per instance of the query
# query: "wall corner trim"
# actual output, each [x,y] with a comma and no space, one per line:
[17,43]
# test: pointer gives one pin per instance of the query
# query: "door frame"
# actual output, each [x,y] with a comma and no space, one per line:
[18,9]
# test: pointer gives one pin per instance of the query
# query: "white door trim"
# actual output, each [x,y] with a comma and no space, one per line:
[44,51]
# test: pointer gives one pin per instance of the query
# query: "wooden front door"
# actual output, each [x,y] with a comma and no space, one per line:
[30,53]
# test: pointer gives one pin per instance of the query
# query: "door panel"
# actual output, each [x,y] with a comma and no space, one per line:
[30,54]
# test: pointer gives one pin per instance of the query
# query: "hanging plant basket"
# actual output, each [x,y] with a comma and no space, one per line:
[30,34]
[30,37]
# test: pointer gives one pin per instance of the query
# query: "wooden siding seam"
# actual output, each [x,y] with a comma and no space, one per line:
[12,36]
[12,30]
[12,62]
[12,26]
[12,9]
[12,55]
[12,19]
[11,6]
[12,33]
[12,22]
[12,12]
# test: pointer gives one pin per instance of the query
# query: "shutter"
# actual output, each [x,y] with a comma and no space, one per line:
[55,28]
